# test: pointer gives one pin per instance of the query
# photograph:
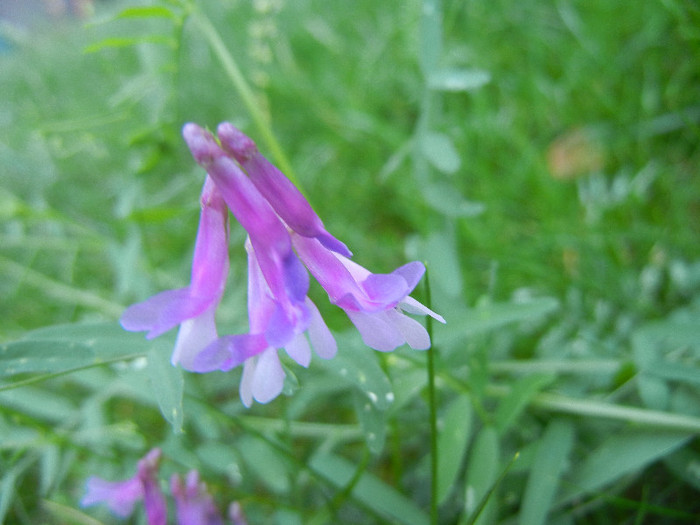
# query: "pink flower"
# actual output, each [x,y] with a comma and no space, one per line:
[263,376]
[194,306]
[121,496]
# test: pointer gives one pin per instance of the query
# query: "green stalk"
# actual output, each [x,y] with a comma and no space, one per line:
[432,403]
[246,93]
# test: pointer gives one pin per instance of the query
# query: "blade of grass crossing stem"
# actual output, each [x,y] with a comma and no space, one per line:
[433,410]
[246,93]
[484,501]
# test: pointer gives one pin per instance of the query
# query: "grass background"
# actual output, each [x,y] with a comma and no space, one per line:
[557,206]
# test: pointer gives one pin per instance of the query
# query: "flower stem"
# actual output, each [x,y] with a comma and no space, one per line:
[432,404]
[246,93]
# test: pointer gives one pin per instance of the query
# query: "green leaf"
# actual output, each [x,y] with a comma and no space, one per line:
[444,198]
[441,253]
[430,36]
[628,451]
[549,464]
[373,423]
[458,79]
[49,459]
[48,406]
[358,365]
[516,401]
[491,316]
[43,356]
[167,384]
[265,463]
[120,42]
[107,340]
[440,152]
[383,499]
[482,471]
[453,439]
[146,12]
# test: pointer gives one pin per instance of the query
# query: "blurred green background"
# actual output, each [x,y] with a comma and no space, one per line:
[541,153]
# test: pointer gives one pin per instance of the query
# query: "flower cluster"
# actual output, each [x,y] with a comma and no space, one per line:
[286,241]
[193,503]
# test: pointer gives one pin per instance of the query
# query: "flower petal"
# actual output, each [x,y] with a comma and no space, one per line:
[193,502]
[299,350]
[280,192]
[194,335]
[348,284]
[321,337]
[228,352]
[163,311]
[376,330]
[410,305]
[153,498]
[268,379]
[120,496]
[411,330]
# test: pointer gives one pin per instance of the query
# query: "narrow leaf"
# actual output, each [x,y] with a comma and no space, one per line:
[458,79]
[517,400]
[440,152]
[482,471]
[265,463]
[453,438]
[373,423]
[146,12]
[167,384]
[628,451]
[43,356]
[495,315]
[547,468]
[383,499]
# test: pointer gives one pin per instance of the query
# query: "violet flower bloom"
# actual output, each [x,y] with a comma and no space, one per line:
[374,302]
[121,496]
[263,376]
[194,505]
[280,192]
[284,273]
[194,306]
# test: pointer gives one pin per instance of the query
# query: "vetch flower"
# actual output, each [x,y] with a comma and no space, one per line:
[263,375]
[285,239]
[283,272]
[192,307]
[121,496]
[193,503]
[374,302]
[280,192]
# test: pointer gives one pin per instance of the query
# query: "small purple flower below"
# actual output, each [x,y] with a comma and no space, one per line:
[193,503]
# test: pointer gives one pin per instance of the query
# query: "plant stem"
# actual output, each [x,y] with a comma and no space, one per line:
[432,403]
[246,93]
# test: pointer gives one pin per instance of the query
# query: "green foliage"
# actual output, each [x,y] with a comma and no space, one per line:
[540,157]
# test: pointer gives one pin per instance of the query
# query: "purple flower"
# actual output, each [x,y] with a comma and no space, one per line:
[263,376]
[193,503]
[121,496]
[285,238]
[279,191]
[374,302]
[192,307]
[285,275]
